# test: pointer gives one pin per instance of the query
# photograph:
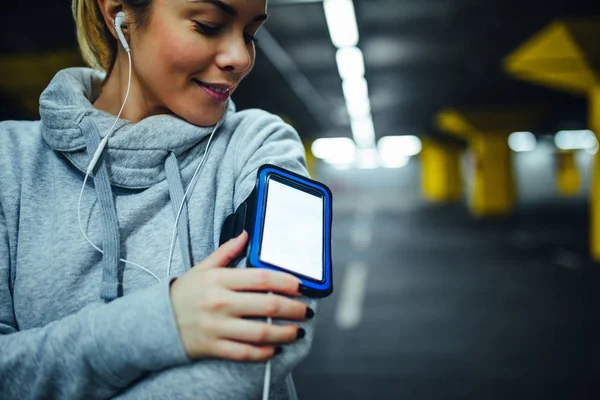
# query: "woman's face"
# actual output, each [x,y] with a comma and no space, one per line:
[192,54]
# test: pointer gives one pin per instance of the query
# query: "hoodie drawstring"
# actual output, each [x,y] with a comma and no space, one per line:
[111,244]
[176,192]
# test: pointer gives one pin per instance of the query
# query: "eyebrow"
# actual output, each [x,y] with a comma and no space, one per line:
[228,9]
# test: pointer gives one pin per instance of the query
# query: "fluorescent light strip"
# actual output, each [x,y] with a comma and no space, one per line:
[575,140]
[343,29]
[341,21]
[522,141]
[355,88]
[363,132]
[350,63]
[339,151]
[406,145]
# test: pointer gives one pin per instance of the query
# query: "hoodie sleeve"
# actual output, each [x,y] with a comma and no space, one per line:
[266,139]
[269,140]
[92,354]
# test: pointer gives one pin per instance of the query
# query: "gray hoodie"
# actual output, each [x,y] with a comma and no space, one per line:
[75,323]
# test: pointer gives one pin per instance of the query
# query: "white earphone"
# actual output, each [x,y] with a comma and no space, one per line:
[119,18]
[119,21]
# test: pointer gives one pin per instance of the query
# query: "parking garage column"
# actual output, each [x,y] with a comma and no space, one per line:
[310,159]
[594,122]
[563,56]
[568,178]
[490,172]
[494,184]
[440,171]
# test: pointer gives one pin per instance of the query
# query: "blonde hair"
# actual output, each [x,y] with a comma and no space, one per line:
[97,45]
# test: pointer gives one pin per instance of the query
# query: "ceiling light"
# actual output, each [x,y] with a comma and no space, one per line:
[358,107]
[393,160]
[406,145]
[367,158]
[341,21]
[350,63]
[363,132]
[522,141]
[575,140]
[355,88]
[335,150]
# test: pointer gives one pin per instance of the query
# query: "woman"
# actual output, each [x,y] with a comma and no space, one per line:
[93,312]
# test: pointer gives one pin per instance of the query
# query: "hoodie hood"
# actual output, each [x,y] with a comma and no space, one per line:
[137,156]
[136,152]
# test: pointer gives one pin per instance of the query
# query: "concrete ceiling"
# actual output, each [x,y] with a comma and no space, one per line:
[420,56]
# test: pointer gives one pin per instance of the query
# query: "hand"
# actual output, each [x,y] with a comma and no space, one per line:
[209,308]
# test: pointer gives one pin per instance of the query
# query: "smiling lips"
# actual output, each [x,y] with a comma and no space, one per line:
[217,92]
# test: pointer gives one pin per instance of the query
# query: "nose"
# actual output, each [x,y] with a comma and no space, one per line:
[234,55]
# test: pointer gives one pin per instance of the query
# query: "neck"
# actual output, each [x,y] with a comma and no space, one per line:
[138,107]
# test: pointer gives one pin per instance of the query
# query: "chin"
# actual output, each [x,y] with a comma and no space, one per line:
[203,121]
[204,118]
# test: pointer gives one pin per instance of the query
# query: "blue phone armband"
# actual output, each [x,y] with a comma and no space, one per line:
[286,210]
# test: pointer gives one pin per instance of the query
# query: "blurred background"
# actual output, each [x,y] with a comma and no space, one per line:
[458,138]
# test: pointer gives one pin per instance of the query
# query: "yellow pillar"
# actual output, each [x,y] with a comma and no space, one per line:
[487,130]
[440,172]
[310,160]
[594,122]
[494,188]
[568,179]
[542,60]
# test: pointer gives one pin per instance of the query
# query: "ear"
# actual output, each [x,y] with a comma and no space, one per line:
[110,8]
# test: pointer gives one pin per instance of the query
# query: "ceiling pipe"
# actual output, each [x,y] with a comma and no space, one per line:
[305,91]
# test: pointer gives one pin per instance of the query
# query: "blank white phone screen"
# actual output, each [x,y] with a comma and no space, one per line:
[293,230]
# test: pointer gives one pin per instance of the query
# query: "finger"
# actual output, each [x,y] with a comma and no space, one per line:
[263,305]
[255,332]
[256,279]
[226,253]
[245,352]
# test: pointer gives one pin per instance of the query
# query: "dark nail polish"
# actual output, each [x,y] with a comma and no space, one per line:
[278,350]
[309,313]
[301,333]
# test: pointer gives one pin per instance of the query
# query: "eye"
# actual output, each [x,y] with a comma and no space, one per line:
[207,29]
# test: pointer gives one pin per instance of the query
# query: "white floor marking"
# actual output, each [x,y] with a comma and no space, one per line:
[352,292]
[567,259]
[361,236]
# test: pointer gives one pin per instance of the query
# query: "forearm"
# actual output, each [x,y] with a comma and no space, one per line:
[223,380]
[95,353]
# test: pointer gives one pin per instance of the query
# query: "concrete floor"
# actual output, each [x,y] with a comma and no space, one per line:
[432,304]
